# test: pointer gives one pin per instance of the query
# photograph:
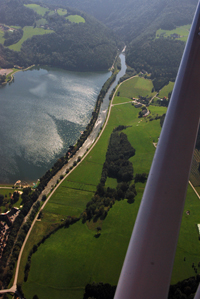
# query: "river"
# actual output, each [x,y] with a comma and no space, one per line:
[42,113]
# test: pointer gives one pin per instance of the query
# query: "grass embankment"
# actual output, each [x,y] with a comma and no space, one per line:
[73,257]
[180,33]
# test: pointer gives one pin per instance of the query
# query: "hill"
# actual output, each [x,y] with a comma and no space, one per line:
[137,23]
[46,35]
[131,18]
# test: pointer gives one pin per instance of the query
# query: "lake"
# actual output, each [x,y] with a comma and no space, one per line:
[41,113]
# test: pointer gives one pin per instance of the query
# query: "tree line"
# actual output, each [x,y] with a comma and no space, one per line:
[117,165]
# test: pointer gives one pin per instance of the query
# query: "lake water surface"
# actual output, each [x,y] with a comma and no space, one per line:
[43,112]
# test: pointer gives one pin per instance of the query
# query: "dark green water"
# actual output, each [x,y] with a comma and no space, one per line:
[41,114]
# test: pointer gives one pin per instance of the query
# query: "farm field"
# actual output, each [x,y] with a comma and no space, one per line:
[73,255]
[75,19]
[29,31]
[182,33]
[136,87]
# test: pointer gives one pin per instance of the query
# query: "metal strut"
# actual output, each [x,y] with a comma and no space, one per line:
[148,264]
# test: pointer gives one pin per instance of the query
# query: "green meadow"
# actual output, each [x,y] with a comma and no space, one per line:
[37,8]
[75,19]
[2,39]
[72,257]
[29,31]
[138,86]
[62,12]
[166,90]
[182,31]
[41,22]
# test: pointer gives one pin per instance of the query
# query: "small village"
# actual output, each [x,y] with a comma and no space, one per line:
[6,221]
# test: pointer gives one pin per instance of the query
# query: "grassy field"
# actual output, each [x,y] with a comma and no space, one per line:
[2,39]
[41,22]
[165,90]
[29,31]
[73,255]
[81,258]
[61,12]
[136,87]
[188,243]
[75,19]
[182,31]
[37,8]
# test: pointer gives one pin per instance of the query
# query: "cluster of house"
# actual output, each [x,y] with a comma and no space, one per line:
[6,220]
[4,28]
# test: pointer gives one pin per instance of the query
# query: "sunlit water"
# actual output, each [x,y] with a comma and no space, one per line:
[41,114]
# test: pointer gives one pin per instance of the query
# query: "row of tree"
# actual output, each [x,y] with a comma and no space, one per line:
[185,289]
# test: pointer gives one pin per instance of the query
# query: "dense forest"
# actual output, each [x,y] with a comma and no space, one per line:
[87,45]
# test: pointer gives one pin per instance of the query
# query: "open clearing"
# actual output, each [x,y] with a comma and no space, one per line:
[75,19]
[73,256]
[61,12]
[180,33]
[136,87]
[2,39]
[29,31]
[166,90]
[37,8]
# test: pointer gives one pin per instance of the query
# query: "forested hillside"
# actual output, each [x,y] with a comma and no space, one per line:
[136,23]
[130,18]
[48,35]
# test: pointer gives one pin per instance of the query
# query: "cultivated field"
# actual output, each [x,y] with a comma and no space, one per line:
[72,257]
[136,87]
